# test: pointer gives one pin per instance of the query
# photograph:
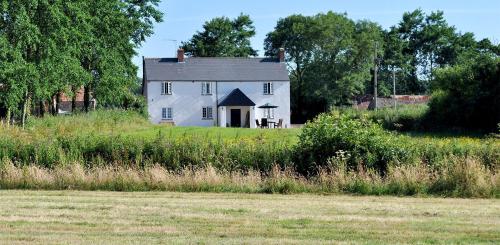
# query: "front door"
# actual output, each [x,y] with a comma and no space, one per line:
[236,118]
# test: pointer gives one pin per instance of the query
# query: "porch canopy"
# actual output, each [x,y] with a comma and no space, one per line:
[236,98]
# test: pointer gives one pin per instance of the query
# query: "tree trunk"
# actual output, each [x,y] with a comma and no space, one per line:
[58,104]
[27,99]
[41,104]
[86,98]
[8,117]
[53,109]
[73,103]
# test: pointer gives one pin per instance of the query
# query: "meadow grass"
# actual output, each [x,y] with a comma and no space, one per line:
[117,150]
[81,217]
[463,178]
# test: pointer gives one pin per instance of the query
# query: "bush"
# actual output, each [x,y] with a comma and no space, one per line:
[365,142]
[467,95]
[361,142]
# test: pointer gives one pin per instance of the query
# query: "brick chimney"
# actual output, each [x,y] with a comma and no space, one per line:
[180,55]
[281,55]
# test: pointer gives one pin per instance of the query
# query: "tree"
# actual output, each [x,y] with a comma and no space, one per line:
[410,31]
[50,47]
[329,58]
[222,37]
[467,95]
[297,34]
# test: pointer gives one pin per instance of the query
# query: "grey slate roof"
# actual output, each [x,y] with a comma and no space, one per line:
[236,98]
[215,69]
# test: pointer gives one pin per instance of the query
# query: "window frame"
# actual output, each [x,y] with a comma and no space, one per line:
[206,88]
[207,113]
[166,88]
[268,88]
[165,111]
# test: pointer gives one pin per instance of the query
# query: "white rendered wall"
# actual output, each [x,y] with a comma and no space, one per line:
[187,102]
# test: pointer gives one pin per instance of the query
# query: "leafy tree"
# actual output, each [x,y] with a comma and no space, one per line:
[329,58]
[467,95]
[50,47]
[222,37]
[297,34]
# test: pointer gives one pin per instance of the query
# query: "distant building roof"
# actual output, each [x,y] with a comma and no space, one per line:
[236,98]
[215,69]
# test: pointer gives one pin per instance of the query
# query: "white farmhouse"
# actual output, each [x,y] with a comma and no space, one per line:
[225,92]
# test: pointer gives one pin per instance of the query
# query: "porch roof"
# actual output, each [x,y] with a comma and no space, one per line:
[236,98]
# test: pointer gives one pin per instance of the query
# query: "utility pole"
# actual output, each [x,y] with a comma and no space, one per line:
[394,86]
[375,71]
[176,42]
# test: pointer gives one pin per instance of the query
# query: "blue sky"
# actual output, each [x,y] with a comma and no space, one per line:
[184,17]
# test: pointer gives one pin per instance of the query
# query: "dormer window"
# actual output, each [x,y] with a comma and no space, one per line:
[268,88]
[166,88]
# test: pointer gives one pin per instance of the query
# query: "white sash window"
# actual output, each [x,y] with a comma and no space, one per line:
[206,88]
[166,88]
[167,113]
[207,113]
[268,88]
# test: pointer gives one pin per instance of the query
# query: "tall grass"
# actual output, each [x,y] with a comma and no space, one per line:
[120,150]
[464,177]
[404,118]
[126,138]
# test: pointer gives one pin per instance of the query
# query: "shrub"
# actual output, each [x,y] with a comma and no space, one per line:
[467,95]
[365,142]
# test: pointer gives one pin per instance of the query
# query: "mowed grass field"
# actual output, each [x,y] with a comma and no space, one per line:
[75,217]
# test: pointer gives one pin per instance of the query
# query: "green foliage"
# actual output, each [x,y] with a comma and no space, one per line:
[330,57]
[467,95]
[342,153]
[127,138]
[403,118]
[53,47]
[365,142]
[362,143]
[222,37]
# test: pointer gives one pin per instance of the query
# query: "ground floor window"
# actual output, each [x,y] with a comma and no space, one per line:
[167,113]
[207,112]
[269,113]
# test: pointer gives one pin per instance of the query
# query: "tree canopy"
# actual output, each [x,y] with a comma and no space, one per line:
[331,57]
[223,37]
[53,46]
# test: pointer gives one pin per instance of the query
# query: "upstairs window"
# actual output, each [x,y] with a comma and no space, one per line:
[268,88]
[206,88]
[207,112]
[167,113]
[166,88]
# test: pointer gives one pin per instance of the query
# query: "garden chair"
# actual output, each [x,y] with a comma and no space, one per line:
[280,123]
[264,123]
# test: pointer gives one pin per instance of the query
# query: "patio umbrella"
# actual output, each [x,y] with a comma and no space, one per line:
[268,106]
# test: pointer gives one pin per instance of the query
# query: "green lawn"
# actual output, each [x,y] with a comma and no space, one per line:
[127,123]
[74,217]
